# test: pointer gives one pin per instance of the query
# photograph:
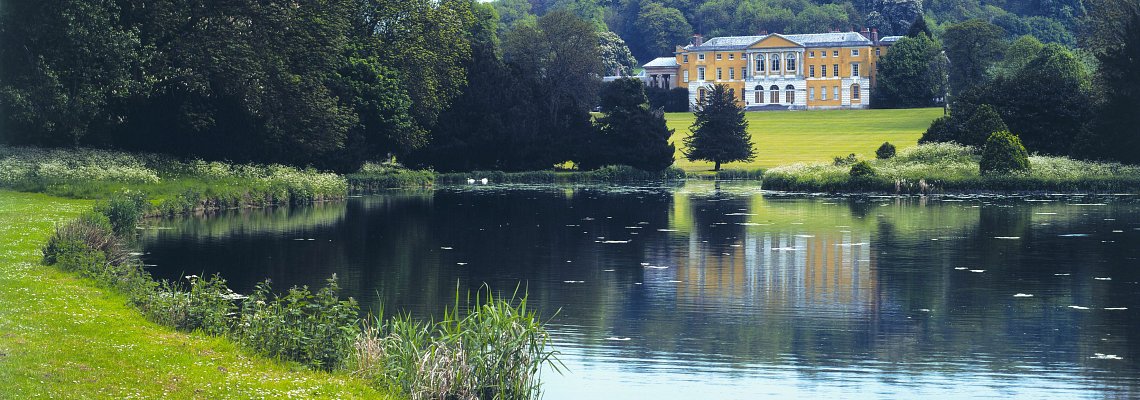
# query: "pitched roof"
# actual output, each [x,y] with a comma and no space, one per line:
[889,40]
[662,62]
[832,39]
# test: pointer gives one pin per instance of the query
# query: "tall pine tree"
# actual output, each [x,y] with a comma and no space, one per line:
[720,133]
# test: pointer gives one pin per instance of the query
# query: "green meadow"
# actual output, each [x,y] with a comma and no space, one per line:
[783,138]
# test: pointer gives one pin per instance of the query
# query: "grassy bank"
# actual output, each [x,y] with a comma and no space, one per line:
[610,174]
[783,138]
[60,337]
[946,167]
[171,185]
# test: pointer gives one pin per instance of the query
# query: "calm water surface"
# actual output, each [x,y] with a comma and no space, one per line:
[721,291]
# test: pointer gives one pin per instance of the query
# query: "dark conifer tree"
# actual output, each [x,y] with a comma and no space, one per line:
[630,133]
[720,133]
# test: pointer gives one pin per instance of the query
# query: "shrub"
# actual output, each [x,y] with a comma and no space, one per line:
[315,329]
[123,211]
[1003,153]
[861,170]
[208,305]
[845,161]
[980,125]
[887,150]
[69,246]
[943,129]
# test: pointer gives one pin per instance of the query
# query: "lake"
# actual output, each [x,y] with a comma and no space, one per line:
[723,291]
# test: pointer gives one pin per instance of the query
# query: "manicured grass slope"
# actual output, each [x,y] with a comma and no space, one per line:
[783,138]
[60,337]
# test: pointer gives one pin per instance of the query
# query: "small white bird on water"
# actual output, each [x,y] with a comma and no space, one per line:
[484,181]
[470,181]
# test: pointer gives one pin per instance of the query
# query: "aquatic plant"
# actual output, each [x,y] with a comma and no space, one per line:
[494,348]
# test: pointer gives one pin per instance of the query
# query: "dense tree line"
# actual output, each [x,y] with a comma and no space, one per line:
[1053,99]
[652,28]
[324,83]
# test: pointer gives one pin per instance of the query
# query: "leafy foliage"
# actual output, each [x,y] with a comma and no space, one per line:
[862,170]
[1003,153]
[720,133]
[972,46]
[316,329]
[911,74]
[887,150]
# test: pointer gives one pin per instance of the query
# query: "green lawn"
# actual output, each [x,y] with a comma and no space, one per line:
[787,137]
[60,337]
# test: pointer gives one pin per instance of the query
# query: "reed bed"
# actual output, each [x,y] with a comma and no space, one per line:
[493,348]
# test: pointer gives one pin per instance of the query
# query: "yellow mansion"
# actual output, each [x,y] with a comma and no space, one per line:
[775,71]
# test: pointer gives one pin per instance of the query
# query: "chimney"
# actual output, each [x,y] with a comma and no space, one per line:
[698,39]
[866,33]
[875,36]
[763,32]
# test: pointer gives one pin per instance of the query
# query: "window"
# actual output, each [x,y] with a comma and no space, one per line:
[731,56]
[700,56]
[823,93]
[731,74]
[811,54]
[878,52]
[743,56]
[718,55]
[855,69]
[719,76]
[835,70]
[791,64]
[743,72]
[835,53]
[684,58]
[759,94]
[700,73]
[823,54]
[775,63]
[790,94]
[811,71]
[775,94]
[855,92]
[823,71]
[685,76]
[811,93]
[760,64]
[701,96]
[835,92]
[854,52]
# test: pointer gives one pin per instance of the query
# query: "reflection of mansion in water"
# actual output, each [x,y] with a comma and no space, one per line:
[822,272]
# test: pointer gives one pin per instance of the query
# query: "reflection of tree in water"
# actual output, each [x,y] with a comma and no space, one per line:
[755,304]
[718,219]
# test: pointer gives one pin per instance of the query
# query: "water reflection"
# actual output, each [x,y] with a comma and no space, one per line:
[722,292]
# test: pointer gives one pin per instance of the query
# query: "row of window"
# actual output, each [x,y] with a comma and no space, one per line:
[775,66]
[823,93]
[789,94]
[834,70]
[732,56]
